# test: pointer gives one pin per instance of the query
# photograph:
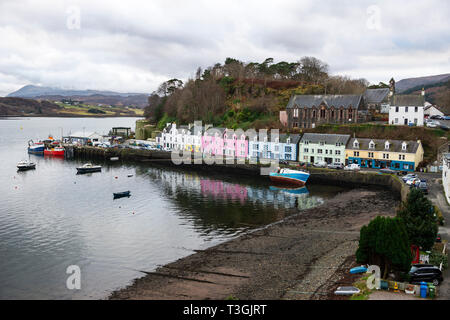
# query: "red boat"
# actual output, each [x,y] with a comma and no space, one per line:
[54,152]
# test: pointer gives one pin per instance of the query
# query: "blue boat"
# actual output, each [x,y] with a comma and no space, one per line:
[36,148]
[290,177]
[361,269]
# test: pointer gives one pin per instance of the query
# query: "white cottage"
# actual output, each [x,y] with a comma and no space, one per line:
[407,110]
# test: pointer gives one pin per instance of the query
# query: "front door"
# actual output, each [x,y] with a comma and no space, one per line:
[312,159]
[406,122]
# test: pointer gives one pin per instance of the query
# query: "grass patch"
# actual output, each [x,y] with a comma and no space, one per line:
[361,285]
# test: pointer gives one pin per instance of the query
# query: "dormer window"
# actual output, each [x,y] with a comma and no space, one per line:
[404,146]
[356,144]
[371,145]
[288,140]
[386,145]
[277,140]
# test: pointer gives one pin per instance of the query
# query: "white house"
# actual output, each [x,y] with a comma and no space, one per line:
[318,147]
[181,138]
[446,175]
[407,110]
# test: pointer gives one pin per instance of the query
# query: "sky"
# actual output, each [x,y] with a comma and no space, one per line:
[133,46]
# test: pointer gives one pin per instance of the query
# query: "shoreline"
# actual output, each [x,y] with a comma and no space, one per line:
[70,116]
[293,258]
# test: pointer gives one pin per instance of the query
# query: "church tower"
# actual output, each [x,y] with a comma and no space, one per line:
[391,87]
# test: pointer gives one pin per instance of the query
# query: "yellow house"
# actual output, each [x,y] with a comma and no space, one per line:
[377,153]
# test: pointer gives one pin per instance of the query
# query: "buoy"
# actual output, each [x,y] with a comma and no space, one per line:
[115,177]
[395,287]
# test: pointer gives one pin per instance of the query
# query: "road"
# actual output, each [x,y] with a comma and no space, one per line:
[437,197]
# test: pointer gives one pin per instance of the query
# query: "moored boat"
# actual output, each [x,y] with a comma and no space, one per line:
[26,165]
[117,195]
[36,147]
[88,167]
[290,177]
[54,152]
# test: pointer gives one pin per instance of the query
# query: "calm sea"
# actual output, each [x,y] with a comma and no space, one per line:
[51,218]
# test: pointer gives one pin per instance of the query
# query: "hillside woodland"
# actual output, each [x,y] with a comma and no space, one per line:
[237,94]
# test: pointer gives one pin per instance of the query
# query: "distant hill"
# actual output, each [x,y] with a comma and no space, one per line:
[415,83]
[12,106]
[88,96]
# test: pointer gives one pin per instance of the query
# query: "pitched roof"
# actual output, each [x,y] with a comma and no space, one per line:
[327,138]
[213,130]
[408,100]
[295,138]
[376,95]
[394,145]
[337,101]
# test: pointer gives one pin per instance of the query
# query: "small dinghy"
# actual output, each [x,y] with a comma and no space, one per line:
[117,195]
[361,269]
[88,167]
[346,291]
[26,165]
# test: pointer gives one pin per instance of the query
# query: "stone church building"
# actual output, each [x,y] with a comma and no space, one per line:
[309,111]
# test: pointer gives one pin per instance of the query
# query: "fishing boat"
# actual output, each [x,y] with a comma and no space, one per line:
[290,177]
[36,147]
[26,165]
[54,152]
[88,167]
[118,195]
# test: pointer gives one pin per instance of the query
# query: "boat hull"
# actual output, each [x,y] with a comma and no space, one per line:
[25,168]
[36,149]
[54,153]
[88,170]
[292,179]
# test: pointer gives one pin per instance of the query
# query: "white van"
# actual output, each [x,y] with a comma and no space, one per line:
[353,167]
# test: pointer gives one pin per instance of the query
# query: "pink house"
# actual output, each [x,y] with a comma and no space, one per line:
[235,143]
[212,141]
[225,142]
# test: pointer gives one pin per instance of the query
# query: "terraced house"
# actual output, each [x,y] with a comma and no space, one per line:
[308,111]
[285,147]
[392,154]
[318,147]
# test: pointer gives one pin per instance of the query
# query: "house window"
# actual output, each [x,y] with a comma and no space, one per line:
[338,152]
[356,144]
[356,153]
[396,120]
[416,109]
[295,125]
[370,154]
[305,150]
[288,156]
[337,160]
[277,148]
[396,109]
[371,145]
[406,109]
[288,149]
[322,143]
[319,151]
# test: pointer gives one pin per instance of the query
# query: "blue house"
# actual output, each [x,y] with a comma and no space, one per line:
[285,147]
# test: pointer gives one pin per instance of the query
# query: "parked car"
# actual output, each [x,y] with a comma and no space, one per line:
[437,117]
[432,124]
[412,182]
[320,164]
[446,118]
[337,166]
[422,185]
[409,176]
[284,162]
[353,167]
[425,272]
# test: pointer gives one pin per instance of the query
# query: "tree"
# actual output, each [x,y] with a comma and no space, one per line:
[417,213]
[313,70]
[384,242]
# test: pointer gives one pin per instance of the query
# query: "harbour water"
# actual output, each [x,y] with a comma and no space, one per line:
[51,218]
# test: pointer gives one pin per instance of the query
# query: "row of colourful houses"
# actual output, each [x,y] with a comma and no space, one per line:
[308,148]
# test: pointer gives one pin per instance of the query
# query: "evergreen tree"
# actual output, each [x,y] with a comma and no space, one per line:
[384,242]
[420,221]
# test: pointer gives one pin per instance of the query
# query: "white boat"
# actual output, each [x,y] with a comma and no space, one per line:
[26,165]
